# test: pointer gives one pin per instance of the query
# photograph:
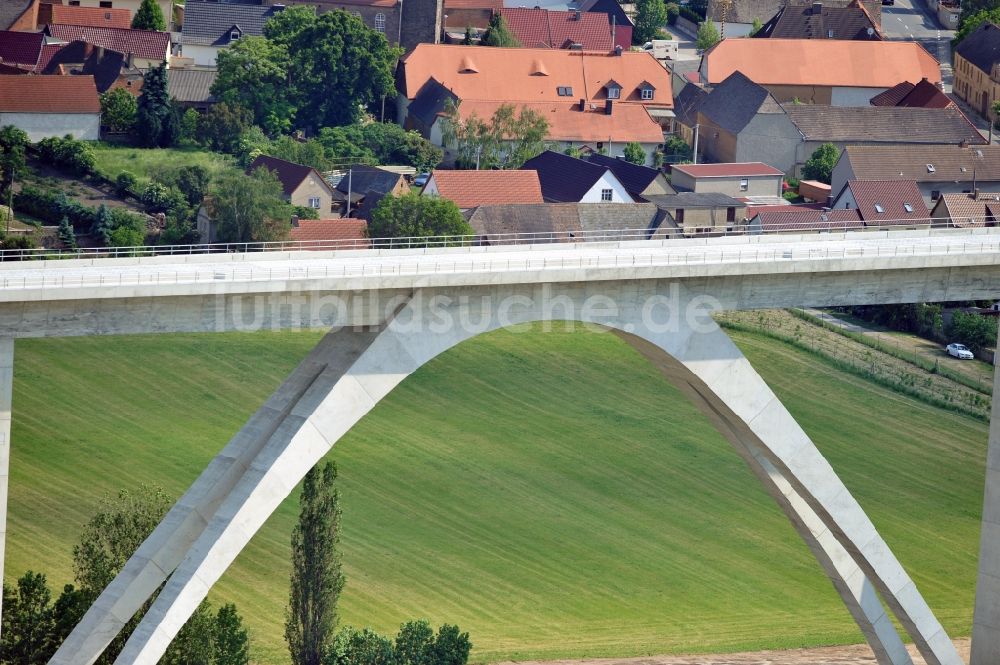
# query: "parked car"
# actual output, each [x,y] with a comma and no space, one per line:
[421,179]
[959,351]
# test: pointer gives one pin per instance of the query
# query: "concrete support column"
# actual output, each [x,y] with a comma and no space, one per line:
[986,619]
[6,391]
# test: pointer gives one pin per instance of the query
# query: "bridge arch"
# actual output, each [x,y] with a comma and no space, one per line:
[350,370]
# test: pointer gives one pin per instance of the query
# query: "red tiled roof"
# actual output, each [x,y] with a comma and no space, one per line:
[469,189]
[922,95]
[146,44]
[350,232]
[892,196]
[20,49]
[536,28]
[91,16]
[730,170]
[810,220]
[48,52]
[49,94]
[495,5]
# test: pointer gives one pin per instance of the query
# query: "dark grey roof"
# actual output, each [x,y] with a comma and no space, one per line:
[617,216]
[566,221]
[564,179]
[803,22]
[694,200]
[79,57]
[191,85]
[745,11]
[733,103]
[431,100]
[610,7]
[11,10]
[687,102]
[982,47]
[882,124]
[365,179]
[634,177]
[209,23]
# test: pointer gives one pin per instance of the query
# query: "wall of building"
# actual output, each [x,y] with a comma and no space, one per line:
[26,22]
[202,55]
[736,29]
[311,187]
[166,6]
[975,87]
[948,16]
[422,22]
[770,138]
[846,96]
[86,126]
[756,185]
[607,181]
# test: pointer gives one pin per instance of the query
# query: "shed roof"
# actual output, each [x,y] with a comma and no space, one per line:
[92,16]
[545,28]
[49,94]
[883,124]
[469,189]
[352,232]
[809,220]
[191,85]
[924,163]
[21,49]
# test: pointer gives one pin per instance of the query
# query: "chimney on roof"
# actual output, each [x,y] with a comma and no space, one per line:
[608,106]
[618,50]
[583,104]
[975,194]
[576,15]
[817,8]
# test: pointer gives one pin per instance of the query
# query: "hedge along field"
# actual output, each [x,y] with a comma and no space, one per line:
[548,492]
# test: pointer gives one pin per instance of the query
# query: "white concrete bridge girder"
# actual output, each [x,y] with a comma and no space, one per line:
[359,369]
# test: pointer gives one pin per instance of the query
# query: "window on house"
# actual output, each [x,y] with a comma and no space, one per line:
[679,215]
[74,3]
[935,194]
[564,91]
[907,207]
[879,208]
[744,184]
[614,92]
[646,93]
[606,194]
[730,214]
[234,35]
[380,22]
[105,4]
[314,202]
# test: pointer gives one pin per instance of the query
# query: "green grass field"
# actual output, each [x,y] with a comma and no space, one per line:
[548,492]
[144,163]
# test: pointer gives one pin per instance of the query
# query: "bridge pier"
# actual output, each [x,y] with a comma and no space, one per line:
[6,392]
[351,371]
[986,617]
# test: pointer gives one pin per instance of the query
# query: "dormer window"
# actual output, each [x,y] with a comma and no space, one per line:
[646,90]
[614,90]
[564,91]
[234,34]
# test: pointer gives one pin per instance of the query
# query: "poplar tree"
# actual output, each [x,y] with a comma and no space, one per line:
[317,579]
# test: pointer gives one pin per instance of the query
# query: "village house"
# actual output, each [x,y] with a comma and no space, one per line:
[639,181]
[320,234]
[751,179]
[694,214]
[803,70]
[544,28]
[805,221]
[977,69]
[110,69]
[922,94]
[975,209]
[598,100]
[884,202]
[302,185]
[819,20]
[566,179]
[44,106]
[937,169]
[143,48]
[210,27]
[365,186]
[404,24]
[469,189]
[99,17]
[565,222]
[734,18]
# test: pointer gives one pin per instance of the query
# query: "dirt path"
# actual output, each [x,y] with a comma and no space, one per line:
[850,655]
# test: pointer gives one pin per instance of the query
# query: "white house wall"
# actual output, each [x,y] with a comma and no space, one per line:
[607,181]
[202,55]
[85,126]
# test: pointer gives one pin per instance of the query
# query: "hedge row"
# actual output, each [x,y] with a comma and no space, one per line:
[52,207]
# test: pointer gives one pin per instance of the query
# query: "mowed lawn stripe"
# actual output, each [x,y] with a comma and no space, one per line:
[548,492]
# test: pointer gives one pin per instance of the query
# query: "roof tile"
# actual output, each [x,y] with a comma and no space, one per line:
[544,28]
[469,189]
[21,49]
[883,124]
[145,44]
[924,163]
[345,231]
[91,16]
[48,94]
[892,197]
[289,174]
[730,170]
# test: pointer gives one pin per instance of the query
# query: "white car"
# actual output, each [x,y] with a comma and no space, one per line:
[959,351]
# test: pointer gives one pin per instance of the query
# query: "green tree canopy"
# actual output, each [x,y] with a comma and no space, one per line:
[149,16]
[414,216]
[506,141]
[253,73]
[118,108]
[634,153]
[820,165]
[971,20]
[157,121]
[28,621]
[650,17]
[972,7]
[249,208]
[13,143]
[975,331]
[498,34]
[708,36]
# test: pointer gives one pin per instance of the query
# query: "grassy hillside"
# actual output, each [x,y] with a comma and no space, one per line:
[144,163]
[549,492]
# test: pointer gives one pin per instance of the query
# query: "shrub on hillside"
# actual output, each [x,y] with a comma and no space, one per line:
[975,331]
[52,207]
[68,154]
[673,11]
[689,14]
[125,184]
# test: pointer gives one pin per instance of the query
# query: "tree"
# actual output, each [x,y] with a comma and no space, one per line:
[451,647]
[413,216]
[317,579]
[253,74]
[820,165]
[223,125]
[996,115]
[118,109]
[149,16]
[755,26]
[414,643]
[189,126]
[193,181]
[971,20]
[970,10]
[634,153]
[66,235]
[498,34]
[337,66]
[13,143]
[708,35]
[467,39]
[507,141]
[676,150]
[360,647]
[101,228]
[232,645]
[249,208]
[157,121]
[650,17]
[975,331]
[27,621]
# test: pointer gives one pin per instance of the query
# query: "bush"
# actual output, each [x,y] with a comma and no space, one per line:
[975,331]
[68,154]
[673,10]
[52,207]
[125,184]
[690,15]
[156,197]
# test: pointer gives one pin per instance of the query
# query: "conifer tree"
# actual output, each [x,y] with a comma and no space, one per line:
[149,16]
